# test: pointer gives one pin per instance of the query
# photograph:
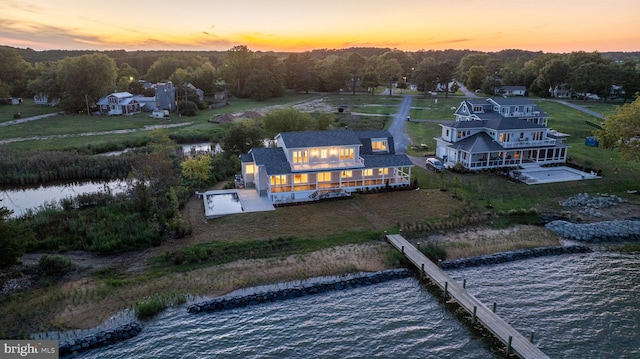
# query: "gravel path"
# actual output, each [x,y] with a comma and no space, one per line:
[27,119]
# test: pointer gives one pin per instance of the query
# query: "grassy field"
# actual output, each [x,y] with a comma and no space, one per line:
[26,109]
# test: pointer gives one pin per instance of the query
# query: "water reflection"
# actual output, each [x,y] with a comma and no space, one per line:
[20,200]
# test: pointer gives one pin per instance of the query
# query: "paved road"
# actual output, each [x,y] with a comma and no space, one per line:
[396,129]
[469,94]
[580,108]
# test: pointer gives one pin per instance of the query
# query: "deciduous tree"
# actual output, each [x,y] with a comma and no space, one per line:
[196,171]
[241,137]
[92,75]
[475,77]
[237,66]
[622,131]
[285,120]
[299,72]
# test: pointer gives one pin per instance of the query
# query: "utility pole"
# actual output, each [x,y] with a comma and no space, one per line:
[86,100]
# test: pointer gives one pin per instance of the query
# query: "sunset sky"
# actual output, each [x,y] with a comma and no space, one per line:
[299,25]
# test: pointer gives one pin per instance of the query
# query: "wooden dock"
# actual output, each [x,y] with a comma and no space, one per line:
[515,342]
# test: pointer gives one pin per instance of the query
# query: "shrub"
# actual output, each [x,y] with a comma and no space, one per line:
[52,265]
[395,259]
[147,308]
[433,252]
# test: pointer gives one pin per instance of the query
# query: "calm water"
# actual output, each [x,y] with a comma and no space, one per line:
[580,306]
[23,199]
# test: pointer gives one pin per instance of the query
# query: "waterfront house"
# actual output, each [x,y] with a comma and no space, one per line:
[499,132]
[119,103]
[313,165]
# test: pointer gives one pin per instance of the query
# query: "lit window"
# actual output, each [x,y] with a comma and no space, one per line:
[248,169]
[279,180]
[383,171]
[300,156]
[347,174]
[301,178]
[324,177]
[380,145]
[367,172]
[346,154]
[324,153]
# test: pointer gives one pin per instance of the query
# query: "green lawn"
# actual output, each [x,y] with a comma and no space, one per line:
[481,188]
[26,109]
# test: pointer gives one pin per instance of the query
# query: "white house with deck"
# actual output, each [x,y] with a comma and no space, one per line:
[313,165]
[119,103]
[499,132]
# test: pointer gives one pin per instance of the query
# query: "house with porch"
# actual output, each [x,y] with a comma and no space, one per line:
[119,103]
[313,165]
[499,132]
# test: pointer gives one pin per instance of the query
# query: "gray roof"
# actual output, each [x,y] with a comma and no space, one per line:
[511,101]
[478,143]
[492,121]
[514,88]
[319,138]
[377,161]
[246,158]
[273,160]
[329,138]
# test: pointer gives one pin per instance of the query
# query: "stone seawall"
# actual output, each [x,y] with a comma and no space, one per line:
[512,256]
[360,280]
[101,339]
[605,231]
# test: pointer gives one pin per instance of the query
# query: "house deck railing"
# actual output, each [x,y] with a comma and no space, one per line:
[354,184]
[527,143]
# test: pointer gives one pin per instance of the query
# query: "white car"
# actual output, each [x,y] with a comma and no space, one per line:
[435,164]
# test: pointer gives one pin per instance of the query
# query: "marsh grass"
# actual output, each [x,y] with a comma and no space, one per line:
[484,240]
[149,307]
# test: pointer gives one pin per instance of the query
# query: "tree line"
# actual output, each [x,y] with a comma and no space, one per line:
[79,77]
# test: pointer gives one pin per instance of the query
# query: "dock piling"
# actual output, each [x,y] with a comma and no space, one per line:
[475,315]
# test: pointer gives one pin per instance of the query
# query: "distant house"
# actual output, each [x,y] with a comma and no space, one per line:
[513,90]
[43,99]
[499,132]
[119,103]
[199,92]
[561,91]
[165,96]
[314,165]
[147,104]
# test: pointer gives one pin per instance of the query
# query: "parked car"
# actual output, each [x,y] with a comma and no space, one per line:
[435,164]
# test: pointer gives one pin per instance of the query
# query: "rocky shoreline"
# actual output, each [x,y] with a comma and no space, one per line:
[359,280]
[605,231]
[107,337]
[511,256]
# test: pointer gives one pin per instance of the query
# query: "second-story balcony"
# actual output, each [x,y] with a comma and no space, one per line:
[328,165]
[526,142]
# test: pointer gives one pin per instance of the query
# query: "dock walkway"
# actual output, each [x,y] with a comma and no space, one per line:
[515,342]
